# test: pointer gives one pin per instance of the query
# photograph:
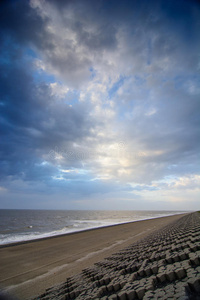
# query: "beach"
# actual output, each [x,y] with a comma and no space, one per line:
[28,269]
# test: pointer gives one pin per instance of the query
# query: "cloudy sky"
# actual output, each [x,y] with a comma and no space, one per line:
[99,104]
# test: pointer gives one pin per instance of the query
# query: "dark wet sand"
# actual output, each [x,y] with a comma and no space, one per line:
[28,269]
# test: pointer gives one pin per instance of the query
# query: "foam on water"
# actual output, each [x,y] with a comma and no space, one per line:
[26,225]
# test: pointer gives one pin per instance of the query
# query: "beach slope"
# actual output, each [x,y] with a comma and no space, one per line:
[28,269]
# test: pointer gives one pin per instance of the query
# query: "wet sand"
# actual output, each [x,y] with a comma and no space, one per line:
[28,269]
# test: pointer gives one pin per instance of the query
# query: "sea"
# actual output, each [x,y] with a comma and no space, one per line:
[26,225]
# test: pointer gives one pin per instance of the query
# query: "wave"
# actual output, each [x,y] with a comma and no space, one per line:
[74,226]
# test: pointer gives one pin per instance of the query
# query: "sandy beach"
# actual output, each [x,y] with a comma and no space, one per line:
[164,265]
[28,269]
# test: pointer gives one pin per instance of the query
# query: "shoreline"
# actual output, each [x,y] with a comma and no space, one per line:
[30,268]
[164,265]
[11,244]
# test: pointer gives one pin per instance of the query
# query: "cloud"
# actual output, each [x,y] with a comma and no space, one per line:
[190,182]
[109,88]
[33,122]
[30,28]
[77,41]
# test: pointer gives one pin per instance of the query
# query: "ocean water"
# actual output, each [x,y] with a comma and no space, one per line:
[24,225]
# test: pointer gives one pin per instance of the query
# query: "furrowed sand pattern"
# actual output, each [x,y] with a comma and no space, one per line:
[166,265]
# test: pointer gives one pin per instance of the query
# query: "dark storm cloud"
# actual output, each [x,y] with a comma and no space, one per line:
[21,23]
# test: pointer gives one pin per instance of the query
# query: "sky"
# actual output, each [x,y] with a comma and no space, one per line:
[99,104]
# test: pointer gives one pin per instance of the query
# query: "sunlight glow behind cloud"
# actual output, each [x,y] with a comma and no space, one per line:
[100,99]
